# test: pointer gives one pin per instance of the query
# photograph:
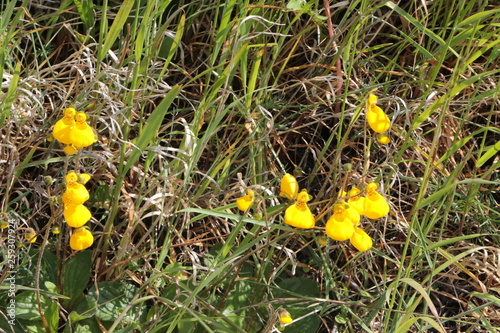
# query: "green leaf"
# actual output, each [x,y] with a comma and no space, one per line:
[235,217]
[341,319]
[77,274]
[421,290]
[297,288]
[296,4]
[87,325]
[149,132]
[454,90]
[11,94]
[492,151]
[112,299]
[52,315]
[416,23]
[86,10]
[486,296]
[238,298]
[116,27]
[27,307]
[85,308]
[445,190]
[478,17]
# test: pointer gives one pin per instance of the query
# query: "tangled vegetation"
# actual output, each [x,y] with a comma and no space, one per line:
[144,143]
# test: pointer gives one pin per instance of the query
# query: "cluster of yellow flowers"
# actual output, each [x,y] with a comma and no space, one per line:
[73,131]
[377,119]
[75,213]
[343,224]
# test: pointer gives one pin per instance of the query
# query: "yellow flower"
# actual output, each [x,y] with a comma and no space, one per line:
[372,99]
[56,230]
[83,178]
[360,240]
[383,139]
[377,119]
[71,177]
[62,128]
[357,202]
[352,214]
[299,215]
[4,224]
[30,235]
[246,201]
[285,317]
[69,150]
[289,187]
[81,239]
[76,215]
[76,193]
[375,205]
[339,226]
[82,134]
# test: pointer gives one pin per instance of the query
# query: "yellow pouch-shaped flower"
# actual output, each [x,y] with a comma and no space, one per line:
[30,235]
[353,215]
[299,215]
[339,230]
[82,134]
[357,202]
[76,194]
[360,240]
[62,128]
[70,150]
[83,178]
[71,177]
[81,239]
[372,99]
[285,317]
[339,227]
[289,187]
[383,139]
[376,117]
[246,201]
[375,205]
[76,215]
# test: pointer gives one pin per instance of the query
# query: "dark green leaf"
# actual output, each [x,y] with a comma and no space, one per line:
[86,10]
[77,274]
[112,299]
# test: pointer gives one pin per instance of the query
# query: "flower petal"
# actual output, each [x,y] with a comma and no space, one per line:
[76,194]
[246,201]
[289,187]
[360,240]
[339,230]
[377,119]
[299,216]
[76,215]
[82,134]
[357,202]
[81,239]
[375,205]
[62,128]
[383,139]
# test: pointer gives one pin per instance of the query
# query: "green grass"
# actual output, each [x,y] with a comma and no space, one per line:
[196,102]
